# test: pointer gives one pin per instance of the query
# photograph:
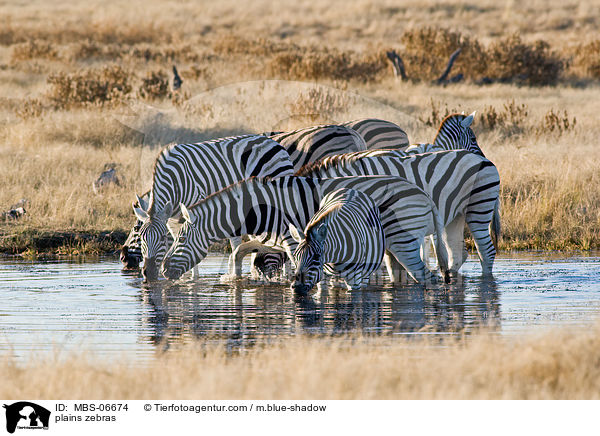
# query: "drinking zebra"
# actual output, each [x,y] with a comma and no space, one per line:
[454,132]
[463,185]
[217,164]
[262,206]
[344,237]
[186,173]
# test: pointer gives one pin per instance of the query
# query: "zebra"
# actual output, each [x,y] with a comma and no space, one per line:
[463,185]
[379,134]
[376,134]
[453,133]
[311,144]
[186,173]
[303,146]
[262,206]
[131,251]
[344,237]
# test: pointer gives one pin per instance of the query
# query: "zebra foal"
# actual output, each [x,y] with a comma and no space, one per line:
[345,237]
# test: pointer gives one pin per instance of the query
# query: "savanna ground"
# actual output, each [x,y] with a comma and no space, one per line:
[85,86]
[554,365]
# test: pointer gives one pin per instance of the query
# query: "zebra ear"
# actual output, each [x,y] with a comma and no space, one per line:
[166,211]
[296,234]
[468,120]
[185,213]
[142,204]
[140,213]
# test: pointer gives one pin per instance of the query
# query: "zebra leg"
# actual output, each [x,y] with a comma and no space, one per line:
[454,235]
[237,256]
[409,255]
[483,241]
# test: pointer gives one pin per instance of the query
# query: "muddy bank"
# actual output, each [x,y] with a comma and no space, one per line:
[35,242]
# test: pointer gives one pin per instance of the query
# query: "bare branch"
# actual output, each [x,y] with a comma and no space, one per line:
[444,75]
[398,65]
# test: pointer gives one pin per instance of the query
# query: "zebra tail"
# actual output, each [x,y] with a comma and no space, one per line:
[440,247]
[495,229]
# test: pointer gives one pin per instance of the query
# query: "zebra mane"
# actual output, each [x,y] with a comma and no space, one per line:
[237,185]
[323,164]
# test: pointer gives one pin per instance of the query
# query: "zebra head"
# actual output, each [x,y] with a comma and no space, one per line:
[189,247]
[455,133]
[153,237]
[309,256]
[131,252]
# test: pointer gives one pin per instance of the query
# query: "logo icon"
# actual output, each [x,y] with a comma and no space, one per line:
[26,415]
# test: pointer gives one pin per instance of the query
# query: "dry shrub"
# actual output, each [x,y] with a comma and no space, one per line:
[435,115]
[92,86]
[427,50]
[154,86]
[535,64]
[147,52]
[555,123]
[510,120]
[313,64]
[586,60]
[30,108]
[320,104]
[235,44]
[35,49]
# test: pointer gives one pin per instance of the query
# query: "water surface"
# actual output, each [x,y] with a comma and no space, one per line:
[92,305]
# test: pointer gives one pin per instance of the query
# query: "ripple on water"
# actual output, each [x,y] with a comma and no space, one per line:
[94,306]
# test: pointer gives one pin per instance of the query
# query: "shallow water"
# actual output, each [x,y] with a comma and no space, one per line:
[92,305]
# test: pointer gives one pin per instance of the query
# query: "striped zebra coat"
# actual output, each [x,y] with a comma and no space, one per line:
[303,146]
[186,173]
[379,134]
[259,206]
[463,185]
[345,236]
[454,133]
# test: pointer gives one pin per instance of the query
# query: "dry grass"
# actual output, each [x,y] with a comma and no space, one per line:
[70,75]
[554,365]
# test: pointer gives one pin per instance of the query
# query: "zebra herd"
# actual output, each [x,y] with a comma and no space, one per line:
[330,198]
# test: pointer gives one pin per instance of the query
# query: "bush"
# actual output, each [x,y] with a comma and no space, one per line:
[33,50]
[92,86]
[511,59]
[427,51]
[586,60]
[314,64]
[320,103]
[154,86]
[31,108]
[511,119]
[555,123]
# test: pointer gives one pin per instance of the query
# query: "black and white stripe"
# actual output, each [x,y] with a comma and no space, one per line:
[344,237]
[463,185]
[259,206]
[454,133]
[379,134]
[303,146]
[311,144]
[186,173]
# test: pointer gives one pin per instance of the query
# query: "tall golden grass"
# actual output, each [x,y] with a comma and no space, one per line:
[556,364]
[69,77]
